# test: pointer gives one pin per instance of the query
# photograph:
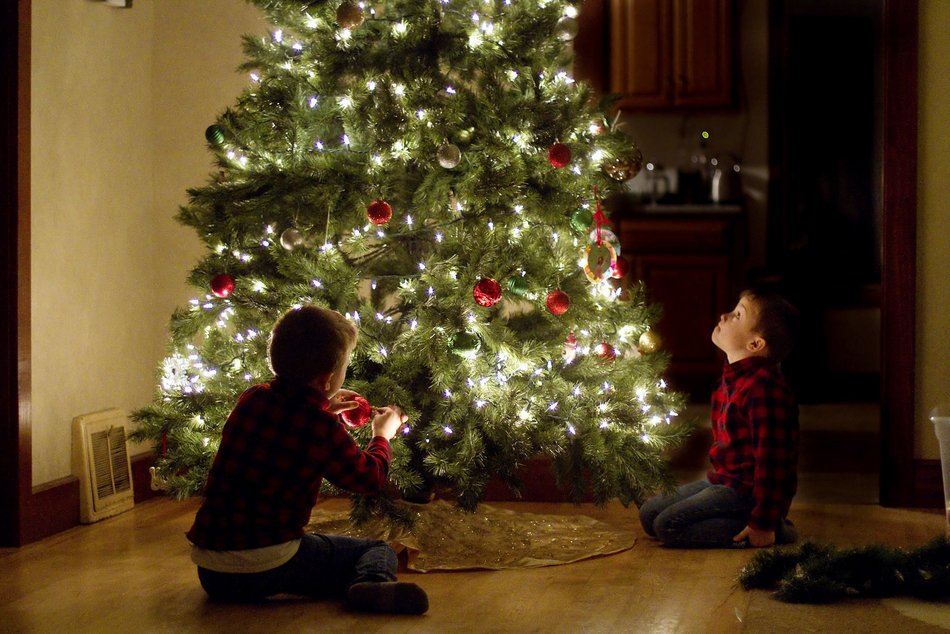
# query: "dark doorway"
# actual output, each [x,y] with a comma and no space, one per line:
[825,232]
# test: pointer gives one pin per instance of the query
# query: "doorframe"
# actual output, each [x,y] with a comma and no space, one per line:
[899,244]
[898,301]
[15,471]
[899,46]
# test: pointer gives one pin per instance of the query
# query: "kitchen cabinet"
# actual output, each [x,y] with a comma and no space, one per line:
[688,263]
[670,53]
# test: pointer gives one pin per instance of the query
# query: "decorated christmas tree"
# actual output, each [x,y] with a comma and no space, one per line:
[430,169]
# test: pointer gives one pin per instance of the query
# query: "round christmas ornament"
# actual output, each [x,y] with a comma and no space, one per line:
[559,155]
[487,292]
[379,212]
[222,285]
[359,416]
[570,347]
[605,351]
[291,239]
[214,134]
[620,268]
[581,220]
[599,261]
[517,285]
[606,235]
[625,168]
[465,343]
[649,342]
[567,28]
[558,302]
[349,16]
[449,155]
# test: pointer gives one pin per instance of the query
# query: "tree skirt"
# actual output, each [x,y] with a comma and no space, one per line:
[445,537]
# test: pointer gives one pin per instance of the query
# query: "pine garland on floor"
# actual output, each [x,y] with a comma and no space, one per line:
[822,573]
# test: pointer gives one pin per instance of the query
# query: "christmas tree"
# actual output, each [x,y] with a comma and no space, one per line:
[430,169]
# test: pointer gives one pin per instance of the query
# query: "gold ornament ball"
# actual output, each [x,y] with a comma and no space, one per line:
[649,342]
[349,16]
[623,169]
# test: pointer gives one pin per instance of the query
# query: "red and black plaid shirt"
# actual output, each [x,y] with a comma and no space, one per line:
[278,444]
[755,438]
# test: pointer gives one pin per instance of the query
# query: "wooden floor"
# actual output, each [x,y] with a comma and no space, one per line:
[131,573]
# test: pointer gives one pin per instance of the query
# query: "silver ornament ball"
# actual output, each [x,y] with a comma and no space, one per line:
[291,239]
[567,28]
[449,155]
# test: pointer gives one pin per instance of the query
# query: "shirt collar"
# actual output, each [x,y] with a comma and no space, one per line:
[745,366]
[296,389]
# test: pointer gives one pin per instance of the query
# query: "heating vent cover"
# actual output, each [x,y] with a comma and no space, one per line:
[101,461]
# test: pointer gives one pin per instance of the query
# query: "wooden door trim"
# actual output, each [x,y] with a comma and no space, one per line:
[899,242]
[15,433]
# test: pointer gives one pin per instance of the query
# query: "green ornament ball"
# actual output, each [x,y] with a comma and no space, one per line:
[517,285]
[465,343]
[214,134]
[581,220]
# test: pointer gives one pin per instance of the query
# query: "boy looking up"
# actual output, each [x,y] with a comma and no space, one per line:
[748,489]
[279,442]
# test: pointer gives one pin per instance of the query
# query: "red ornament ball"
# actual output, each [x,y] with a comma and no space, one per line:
[605,351]
[558,302]
[358,416]
[559,155]
[222,285]
[619,268]
[379,212]
[487,292]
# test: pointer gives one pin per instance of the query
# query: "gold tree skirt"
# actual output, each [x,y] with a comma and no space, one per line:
[445,537]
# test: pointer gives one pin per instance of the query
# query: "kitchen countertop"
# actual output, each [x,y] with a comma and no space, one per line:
[690,209]
[625,205]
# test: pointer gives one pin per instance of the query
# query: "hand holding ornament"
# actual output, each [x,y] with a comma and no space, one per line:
[387,421]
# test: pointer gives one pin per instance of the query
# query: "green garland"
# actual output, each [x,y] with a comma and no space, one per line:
[822,573]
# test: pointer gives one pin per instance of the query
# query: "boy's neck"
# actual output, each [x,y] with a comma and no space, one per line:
[745,354]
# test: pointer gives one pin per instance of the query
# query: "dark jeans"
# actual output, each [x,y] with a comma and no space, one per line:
[697,515]
[324,566]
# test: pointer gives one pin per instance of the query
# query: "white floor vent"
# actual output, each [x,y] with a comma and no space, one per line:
[101,460]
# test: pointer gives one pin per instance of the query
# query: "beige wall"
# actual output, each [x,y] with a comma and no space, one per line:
[933,221]
[121,98]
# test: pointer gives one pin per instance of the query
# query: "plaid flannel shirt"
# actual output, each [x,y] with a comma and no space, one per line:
[277,446]
[755,438]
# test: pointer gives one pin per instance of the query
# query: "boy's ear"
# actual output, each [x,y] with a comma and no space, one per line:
[322,381]
[757,345]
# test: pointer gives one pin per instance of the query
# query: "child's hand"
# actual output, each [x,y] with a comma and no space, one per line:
[757,538]
[387,420]
[342,401]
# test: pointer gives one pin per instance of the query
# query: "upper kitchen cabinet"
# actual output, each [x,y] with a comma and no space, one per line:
[661,54]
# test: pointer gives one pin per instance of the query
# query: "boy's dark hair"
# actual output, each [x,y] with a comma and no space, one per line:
[309,341]
[777,322]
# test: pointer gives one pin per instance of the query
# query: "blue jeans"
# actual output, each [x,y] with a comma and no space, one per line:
[324,566]
[697,515]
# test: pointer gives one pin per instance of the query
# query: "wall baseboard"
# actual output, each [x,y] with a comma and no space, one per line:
[928,484]
[53,507]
